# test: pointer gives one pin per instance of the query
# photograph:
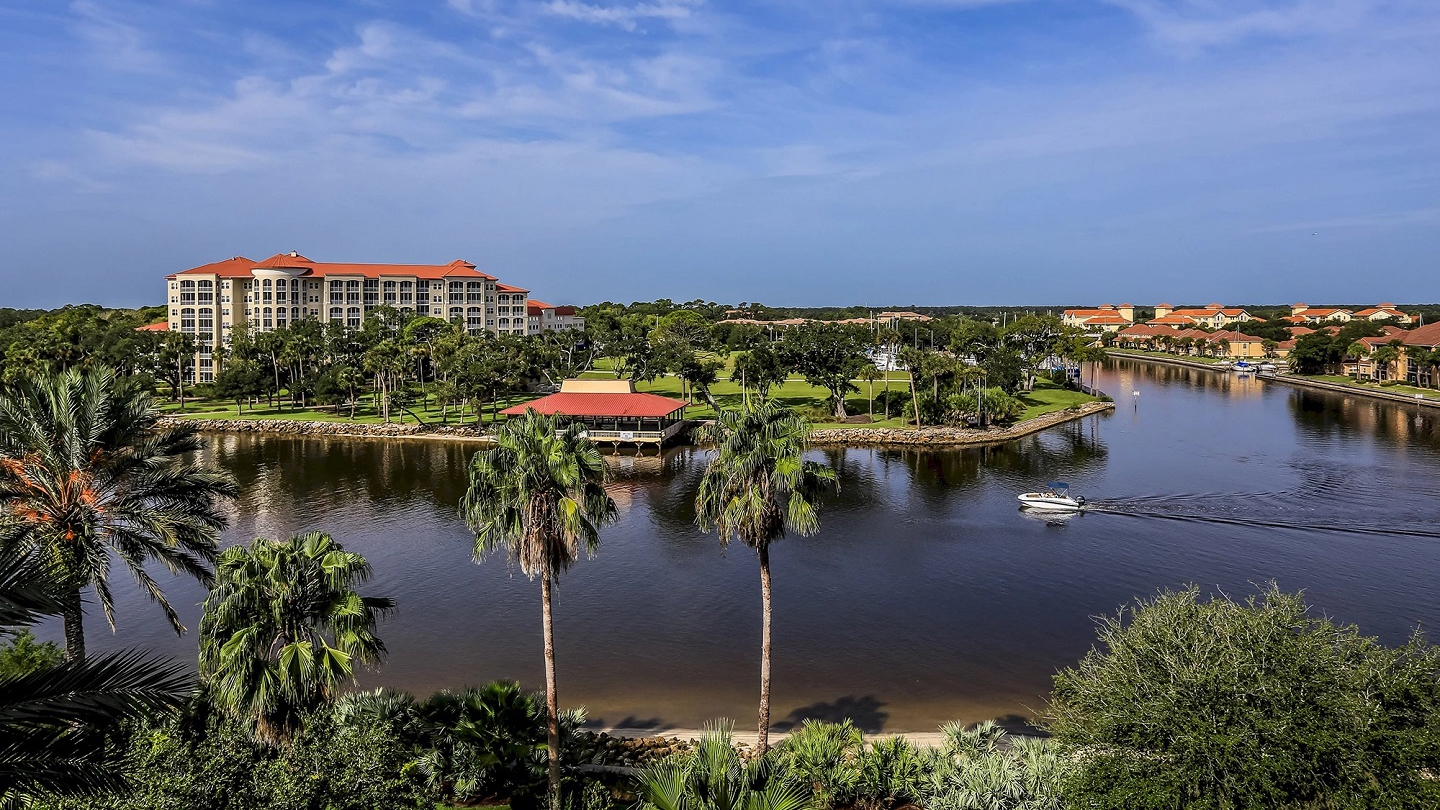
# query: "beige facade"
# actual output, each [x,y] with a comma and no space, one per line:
[212,300]
[546,318]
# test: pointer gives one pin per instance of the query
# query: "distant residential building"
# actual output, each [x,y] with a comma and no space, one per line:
[1304,313]
[1220,343]
[1381,312]
[547,318]
[1105,318]
[1211,315]
[894,319]
[211,300]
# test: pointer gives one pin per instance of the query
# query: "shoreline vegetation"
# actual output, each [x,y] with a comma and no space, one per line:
[1049,416]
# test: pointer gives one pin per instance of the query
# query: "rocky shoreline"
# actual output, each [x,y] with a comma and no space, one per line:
[300,427]
[856,436]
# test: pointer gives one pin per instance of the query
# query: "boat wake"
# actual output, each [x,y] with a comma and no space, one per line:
[1237,519]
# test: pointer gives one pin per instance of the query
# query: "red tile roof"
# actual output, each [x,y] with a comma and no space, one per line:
[154,327]
[577,404]
[241,267]
[510,288]
[236,267]
[1428,336]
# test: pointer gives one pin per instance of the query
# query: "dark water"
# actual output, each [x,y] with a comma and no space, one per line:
[927,596]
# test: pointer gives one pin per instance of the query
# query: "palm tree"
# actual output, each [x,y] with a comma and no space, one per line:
[869,373]
[284,626]
[54,720]
[539,495]
[911,357]
[1092,354]
[87,473]
[757,487]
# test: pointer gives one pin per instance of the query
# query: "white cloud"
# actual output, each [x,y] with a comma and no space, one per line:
[1205,23]
[121,45]
[626,17]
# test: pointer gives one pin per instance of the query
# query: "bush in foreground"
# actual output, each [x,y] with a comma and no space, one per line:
[1191,703]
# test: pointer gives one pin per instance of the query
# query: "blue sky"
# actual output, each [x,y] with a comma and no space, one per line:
[790,152]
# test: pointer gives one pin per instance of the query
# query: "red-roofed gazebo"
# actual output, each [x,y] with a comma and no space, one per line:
[612,411]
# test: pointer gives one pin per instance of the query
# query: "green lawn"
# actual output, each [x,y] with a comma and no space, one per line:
[796,393]
[1405,390]
[365,413]
[1049,398]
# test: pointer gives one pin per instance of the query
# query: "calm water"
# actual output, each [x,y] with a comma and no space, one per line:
[927,596]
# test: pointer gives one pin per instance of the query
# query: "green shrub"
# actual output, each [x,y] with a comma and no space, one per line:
[1221,704]
[891,773]
[204,761]
[979,768]
[821,757]
[23,654]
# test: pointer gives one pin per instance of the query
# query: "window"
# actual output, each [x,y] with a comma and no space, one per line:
[474,319]
[295,313]
[280,316]
[207,320]
[187,320]
[265,319]
[337,314]
[475,291]
[352,317]
[457,314]
[207,291]
[352,292]
[457,292]
[187,292]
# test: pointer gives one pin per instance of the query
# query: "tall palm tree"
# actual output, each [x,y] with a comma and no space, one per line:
[54,720]
[284,626]
[539,495]
[869,373]
[757,487]
[87,472]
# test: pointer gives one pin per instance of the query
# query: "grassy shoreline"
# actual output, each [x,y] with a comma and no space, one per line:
[1045,399]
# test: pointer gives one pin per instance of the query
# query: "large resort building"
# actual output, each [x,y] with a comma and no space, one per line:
[211,300]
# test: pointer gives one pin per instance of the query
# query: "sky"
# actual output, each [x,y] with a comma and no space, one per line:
[790,152]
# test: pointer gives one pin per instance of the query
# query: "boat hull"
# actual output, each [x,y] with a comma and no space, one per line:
[1049,503]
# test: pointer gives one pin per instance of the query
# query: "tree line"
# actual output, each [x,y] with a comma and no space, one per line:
[960,370]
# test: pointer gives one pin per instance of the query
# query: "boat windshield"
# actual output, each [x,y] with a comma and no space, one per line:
[1058,487]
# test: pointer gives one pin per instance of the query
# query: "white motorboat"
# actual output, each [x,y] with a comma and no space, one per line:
[1054,498]
[1244,367]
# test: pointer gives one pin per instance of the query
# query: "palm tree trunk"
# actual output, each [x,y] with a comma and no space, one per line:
[763,741]
[74,617]
[552,698]
[915,399]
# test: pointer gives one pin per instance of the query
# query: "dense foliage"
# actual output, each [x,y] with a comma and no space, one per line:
[55,715]
[1192,703]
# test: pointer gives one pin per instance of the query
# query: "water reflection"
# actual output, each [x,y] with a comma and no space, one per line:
[926,596]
